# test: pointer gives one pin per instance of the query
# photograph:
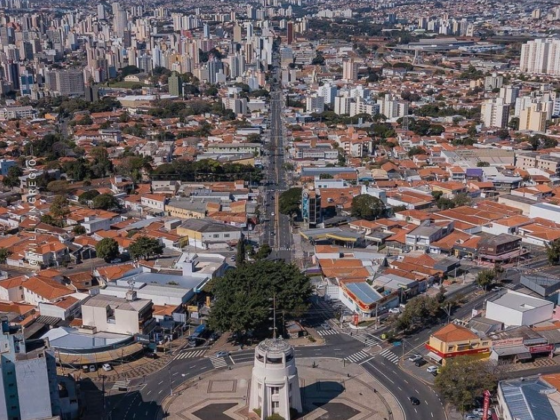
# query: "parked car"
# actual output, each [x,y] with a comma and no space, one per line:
[414,357]
[222,354]
[432,369]
[85,368]
[394,311]
[325,326]
[420,362]
[106,367]
[151,355]
[414,400]
[435,373]
[92,368]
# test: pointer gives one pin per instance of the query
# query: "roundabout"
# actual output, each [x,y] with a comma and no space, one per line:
[328,391]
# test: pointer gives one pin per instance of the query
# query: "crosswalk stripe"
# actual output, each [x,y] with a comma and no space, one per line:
[327,332]
[389,355]
[356,357]
[190,354]
[218,362]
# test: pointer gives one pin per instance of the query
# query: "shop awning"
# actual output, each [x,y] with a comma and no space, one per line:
[524,356]
[510,351]
[434,357]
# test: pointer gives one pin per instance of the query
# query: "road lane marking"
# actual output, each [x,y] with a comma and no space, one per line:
[386,377]
[400,388]
[232,361]
[365,361]
[406,381]
[432,414]
[160,391]
[416,411]
[418,392]
[160,383]
[149,392]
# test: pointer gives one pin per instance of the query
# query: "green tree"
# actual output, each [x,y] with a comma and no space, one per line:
[289,201]
[445,203]
[416,150]
[437,194]
[482,164]
[49,220]
[79,230]
[107,248]
[553,252]
[59,207]
[12,178]
[4,254]
[145,247]
[462,199]
[463,379]
[243,296]
[241,252]
[86,197]
[58,187]
[485,278]
[263,252]
[368,207]
[105,202]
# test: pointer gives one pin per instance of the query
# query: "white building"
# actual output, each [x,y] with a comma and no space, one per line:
[494,113]
[514,309]
[350,71]
[315,103]
[116,315]
[541,56]
[392,108]
[275,383]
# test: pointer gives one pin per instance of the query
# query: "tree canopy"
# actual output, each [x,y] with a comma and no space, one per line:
[485,278]
[463,379]
[243,295]
[107,248]
[145,247]
[289,201]
[59,207]
[553,252]
[105,202]
[368,207]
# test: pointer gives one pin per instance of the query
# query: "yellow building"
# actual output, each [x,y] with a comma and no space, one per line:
[185,209]
[533,118]
[454,341]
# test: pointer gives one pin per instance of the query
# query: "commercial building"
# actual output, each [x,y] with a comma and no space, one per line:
[454,341]
[514,308]
[117,315]
[65,82]
[311,207]
[207,234]
[529,398]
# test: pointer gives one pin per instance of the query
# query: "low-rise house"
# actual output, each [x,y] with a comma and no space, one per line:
[207,234]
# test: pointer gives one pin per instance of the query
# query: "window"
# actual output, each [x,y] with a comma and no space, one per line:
[275,390]
[275,404]
[226,235]
[216,236]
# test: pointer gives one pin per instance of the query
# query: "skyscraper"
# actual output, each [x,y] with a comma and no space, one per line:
[237,35]
[350,70]
[290,32]
[494,113]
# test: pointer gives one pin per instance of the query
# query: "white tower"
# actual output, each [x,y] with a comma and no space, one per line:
[275,383]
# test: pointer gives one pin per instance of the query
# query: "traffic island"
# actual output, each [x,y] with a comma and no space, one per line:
[329,390]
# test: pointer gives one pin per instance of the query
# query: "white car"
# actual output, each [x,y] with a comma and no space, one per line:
[394,311]
[92,368]
[272,214]
[432,369]
[106,367]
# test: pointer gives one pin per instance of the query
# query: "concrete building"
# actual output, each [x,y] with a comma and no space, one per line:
[175,85]
[533,118]
[350,71]
[392,108]
[494,113]
[541,56]
[315,103]
[65,82]
[274,382]
[29,383]
[514,308]
[116,315]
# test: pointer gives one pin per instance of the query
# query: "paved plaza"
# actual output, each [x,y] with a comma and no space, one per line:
[332,390]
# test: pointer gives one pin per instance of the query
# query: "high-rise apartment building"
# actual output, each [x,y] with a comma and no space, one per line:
[290,32]
[350,70]
[533,117]
[541,56]
[175,85]
[494,113]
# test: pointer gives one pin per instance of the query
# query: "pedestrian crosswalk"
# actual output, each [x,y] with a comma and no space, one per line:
[366,340]
[389,355]
[327,332]
[120,385]
[356,357]
[218,362]
[190,354]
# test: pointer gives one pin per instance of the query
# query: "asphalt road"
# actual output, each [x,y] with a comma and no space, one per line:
[277,232]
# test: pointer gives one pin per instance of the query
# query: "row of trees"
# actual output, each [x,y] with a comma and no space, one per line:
[206,170]
[142,248]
